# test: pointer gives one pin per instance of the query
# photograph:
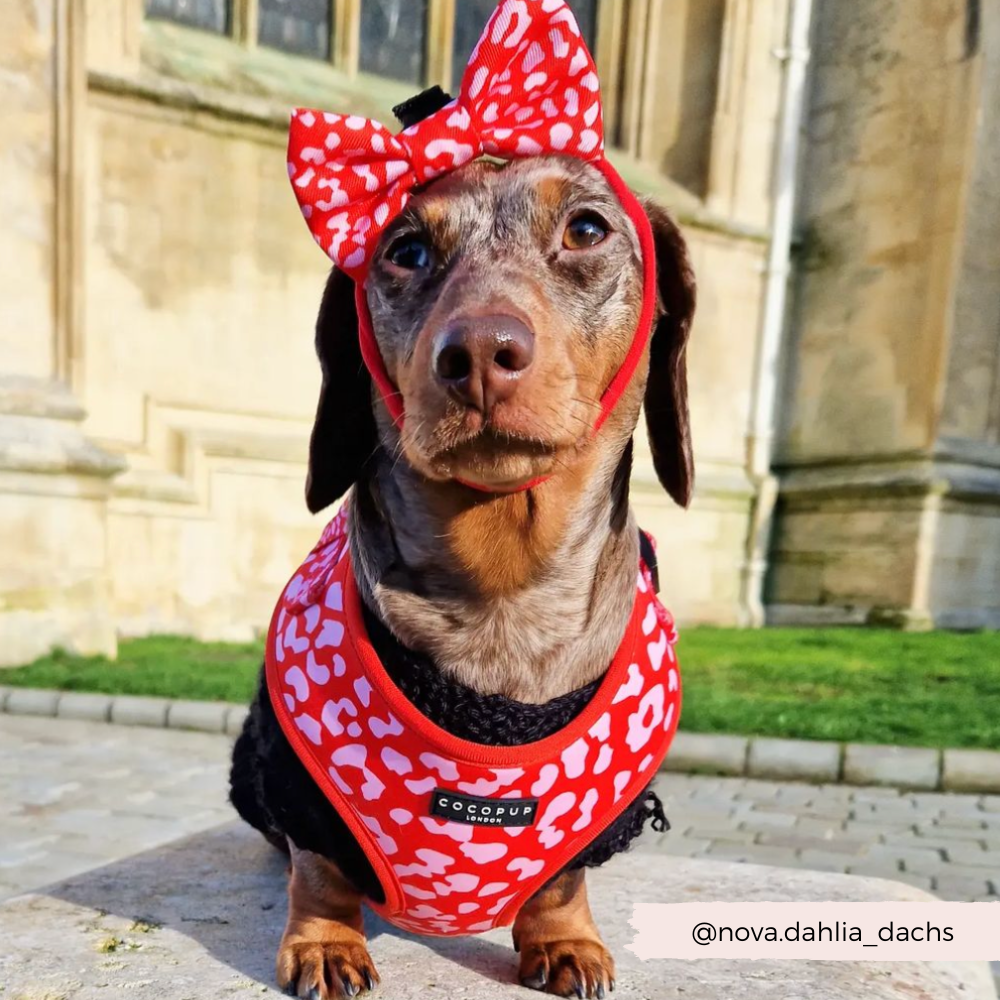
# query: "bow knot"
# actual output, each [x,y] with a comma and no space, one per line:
[530,88]
[442,142]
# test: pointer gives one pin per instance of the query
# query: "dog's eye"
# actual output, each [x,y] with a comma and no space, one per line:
[585,230]
[410,253]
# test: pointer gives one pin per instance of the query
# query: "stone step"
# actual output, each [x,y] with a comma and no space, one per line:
[202,918]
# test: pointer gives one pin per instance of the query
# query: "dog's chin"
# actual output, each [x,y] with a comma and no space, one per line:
[491,463]
[500,467]
[508,474]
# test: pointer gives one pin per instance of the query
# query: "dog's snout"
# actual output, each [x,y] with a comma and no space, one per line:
[481,359]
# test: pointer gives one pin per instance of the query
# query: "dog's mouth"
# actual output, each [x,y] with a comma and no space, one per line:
[515,443]
[500,462]
[495,460]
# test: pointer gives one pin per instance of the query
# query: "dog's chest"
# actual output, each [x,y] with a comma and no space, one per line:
[530,646]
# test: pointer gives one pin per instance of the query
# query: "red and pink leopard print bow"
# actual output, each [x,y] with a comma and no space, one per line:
[530,88]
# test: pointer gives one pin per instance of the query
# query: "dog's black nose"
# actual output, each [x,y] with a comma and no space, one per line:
[480,359]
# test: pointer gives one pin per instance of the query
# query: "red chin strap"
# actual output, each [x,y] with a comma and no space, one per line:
[393,400]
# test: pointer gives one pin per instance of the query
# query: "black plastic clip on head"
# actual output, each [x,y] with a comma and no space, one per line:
[421,106]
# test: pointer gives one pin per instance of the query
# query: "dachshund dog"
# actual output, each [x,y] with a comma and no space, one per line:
[503,300]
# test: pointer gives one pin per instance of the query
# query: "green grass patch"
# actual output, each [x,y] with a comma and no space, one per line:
[939,689]
[936,689]
[161,666]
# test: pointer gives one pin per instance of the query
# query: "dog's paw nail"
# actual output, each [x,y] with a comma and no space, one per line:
[351,989]
[578,989]
[613,985]
[314,994]
[369,982]
[290,990]
[600,991]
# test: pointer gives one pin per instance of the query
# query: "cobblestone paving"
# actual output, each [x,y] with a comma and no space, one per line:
[947,844]
[77,795]
[81,794]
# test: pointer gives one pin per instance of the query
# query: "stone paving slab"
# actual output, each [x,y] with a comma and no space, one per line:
[794,760]
[900,767]
[127,710]
[28,701]
[206,716]
[700,753]
[971,770]
[235,718]
[203,917]
[78,794]
[88,707]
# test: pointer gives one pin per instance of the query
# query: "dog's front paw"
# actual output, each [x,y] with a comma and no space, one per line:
[326,969]
[581,968]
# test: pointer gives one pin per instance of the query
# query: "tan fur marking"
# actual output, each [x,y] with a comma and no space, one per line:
[323,947]
[551,192]
[504,544]
[561,948]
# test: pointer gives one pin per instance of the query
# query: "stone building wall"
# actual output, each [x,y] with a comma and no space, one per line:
[157,377]
[157,298]
[53,482]
[27,196]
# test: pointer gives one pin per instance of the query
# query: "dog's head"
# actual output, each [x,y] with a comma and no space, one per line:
[504,300]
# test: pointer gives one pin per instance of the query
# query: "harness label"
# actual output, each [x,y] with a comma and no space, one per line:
[483,812]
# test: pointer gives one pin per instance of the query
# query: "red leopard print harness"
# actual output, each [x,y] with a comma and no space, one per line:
[460,834]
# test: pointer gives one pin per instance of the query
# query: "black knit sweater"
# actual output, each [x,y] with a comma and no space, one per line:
[272,790]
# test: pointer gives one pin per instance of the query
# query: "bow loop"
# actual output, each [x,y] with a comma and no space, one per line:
[533,83]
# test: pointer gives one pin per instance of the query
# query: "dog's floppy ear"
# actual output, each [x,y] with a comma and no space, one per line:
[666,402]
[344,436]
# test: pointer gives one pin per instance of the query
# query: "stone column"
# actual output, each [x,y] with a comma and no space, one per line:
[890,447]
[53,481]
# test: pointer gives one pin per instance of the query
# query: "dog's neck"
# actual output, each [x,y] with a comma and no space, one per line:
[526,595]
